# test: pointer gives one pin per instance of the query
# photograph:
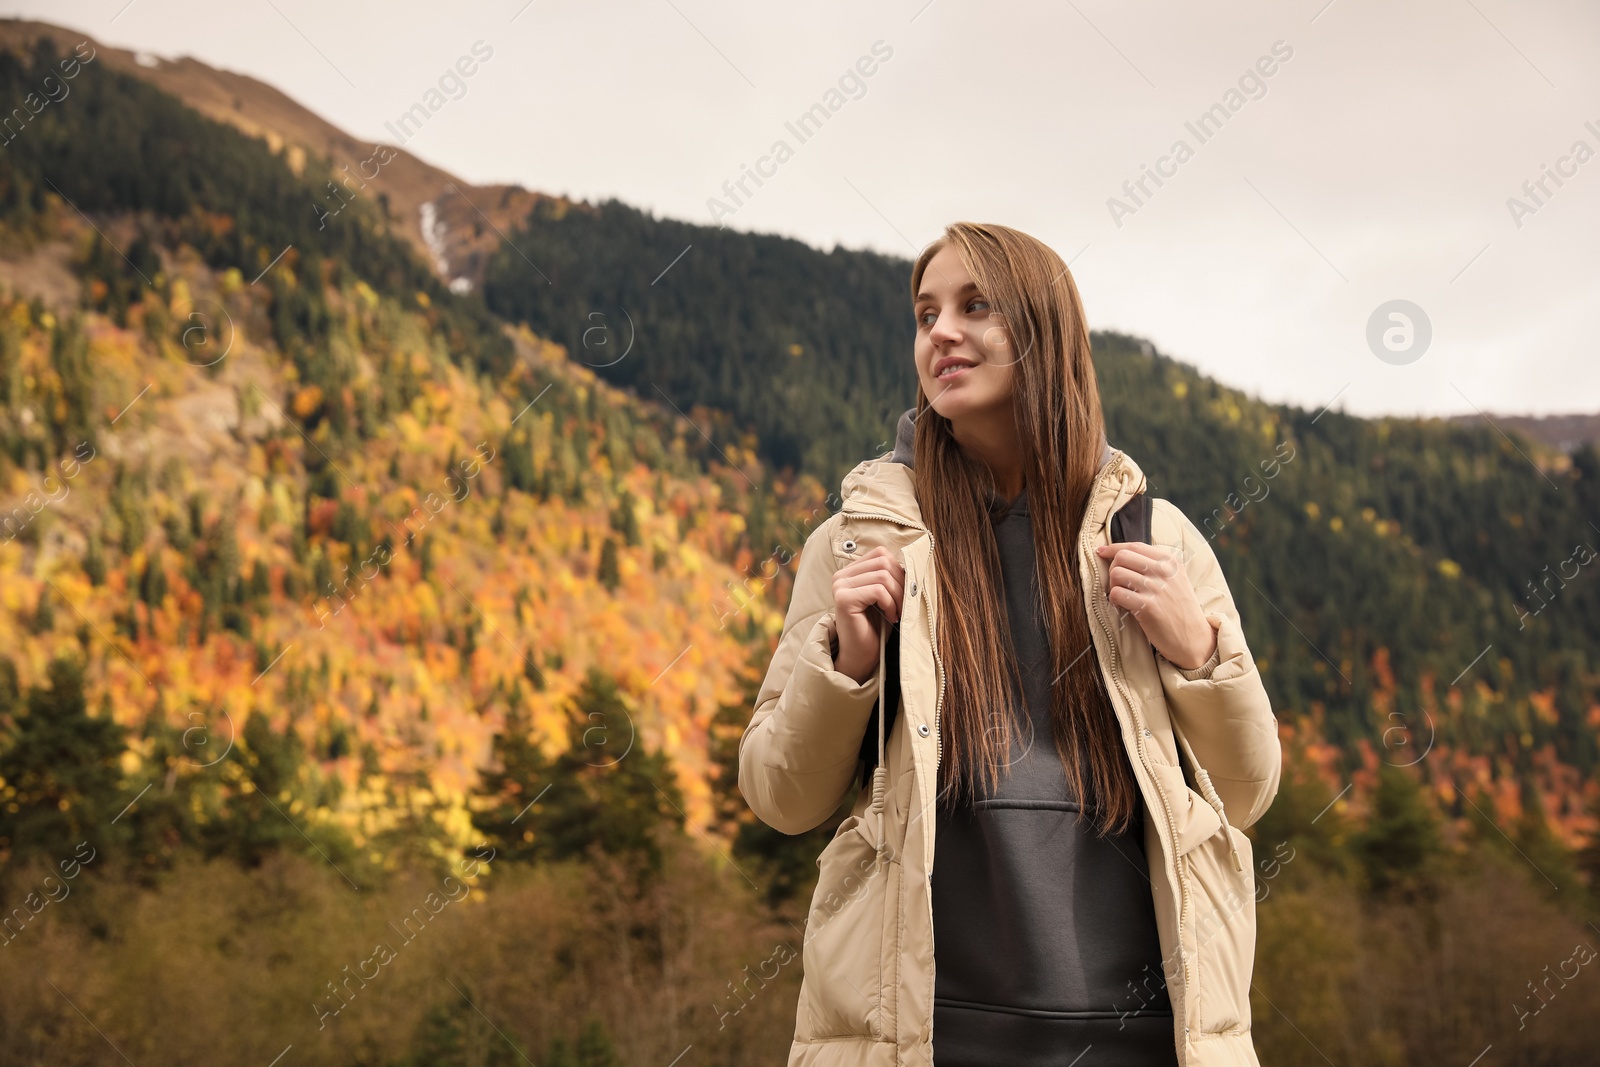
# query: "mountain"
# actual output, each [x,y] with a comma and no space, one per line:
[1565,433]
[261,111]
[1417,563]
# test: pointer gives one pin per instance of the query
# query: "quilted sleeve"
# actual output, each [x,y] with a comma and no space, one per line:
[1222,706]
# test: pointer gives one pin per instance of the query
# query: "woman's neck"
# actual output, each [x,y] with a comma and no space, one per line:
[994,442]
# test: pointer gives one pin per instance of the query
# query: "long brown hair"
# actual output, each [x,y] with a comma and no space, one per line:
[1056,402]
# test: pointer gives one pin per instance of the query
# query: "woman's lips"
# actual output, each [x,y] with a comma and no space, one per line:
[954,372]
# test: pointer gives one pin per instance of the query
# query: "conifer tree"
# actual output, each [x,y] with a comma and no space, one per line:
[608,573]
[518,773]
[60,776]
[595,1048]
[606,794]
[1401,840]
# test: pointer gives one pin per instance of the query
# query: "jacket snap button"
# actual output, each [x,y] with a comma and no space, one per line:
[922,729]
[913,588]
[849,546]
[1147,732]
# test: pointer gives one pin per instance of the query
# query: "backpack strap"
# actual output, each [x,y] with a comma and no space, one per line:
[888,697]
[1132,520]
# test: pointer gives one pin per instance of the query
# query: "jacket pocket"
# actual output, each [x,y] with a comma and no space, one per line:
[841,991]
[1196,820]
[1224,901]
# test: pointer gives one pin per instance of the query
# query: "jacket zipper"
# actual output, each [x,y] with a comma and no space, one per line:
[1138,738]
[938,701]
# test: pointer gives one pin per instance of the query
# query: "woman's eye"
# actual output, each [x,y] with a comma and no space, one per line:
[927,318]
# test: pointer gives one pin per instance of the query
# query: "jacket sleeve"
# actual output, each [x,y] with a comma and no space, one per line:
[1222,706]
[798,756]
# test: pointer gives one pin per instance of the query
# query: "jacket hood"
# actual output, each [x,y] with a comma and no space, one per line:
[884,484]
[905,438]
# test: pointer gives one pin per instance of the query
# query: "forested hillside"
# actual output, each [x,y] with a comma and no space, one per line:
[309,565]
[808,349]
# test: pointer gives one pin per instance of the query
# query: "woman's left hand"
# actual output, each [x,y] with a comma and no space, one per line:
[1149,582]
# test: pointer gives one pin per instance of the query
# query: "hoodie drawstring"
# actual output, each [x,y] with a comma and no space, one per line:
[880,773]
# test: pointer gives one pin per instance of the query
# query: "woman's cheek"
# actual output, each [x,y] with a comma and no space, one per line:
[1005,378]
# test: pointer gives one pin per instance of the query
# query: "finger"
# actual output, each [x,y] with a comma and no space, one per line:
[1145,608]
[1138,602]
[887,604]
[869,561]
[1167,559]
[862,593]
[1135,554]
[1149,559]
[1138,555]
[891,574]
[871,600]
[893,577]
[1128,600]
[1137,581]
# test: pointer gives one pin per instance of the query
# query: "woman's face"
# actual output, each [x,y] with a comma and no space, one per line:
[957,329]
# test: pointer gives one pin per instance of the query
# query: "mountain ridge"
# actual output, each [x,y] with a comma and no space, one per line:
[260,110]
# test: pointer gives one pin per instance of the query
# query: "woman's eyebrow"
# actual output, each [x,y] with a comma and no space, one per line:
[970,286]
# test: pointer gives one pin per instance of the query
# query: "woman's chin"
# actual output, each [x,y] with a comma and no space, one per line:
[957,402]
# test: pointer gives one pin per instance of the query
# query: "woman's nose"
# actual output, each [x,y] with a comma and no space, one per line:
[944,330]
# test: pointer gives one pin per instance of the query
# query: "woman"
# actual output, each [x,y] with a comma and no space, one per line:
[1091,905]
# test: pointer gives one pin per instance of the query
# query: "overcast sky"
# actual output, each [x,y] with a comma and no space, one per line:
[1375,163]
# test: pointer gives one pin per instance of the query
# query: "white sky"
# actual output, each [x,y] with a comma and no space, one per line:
[1377,165]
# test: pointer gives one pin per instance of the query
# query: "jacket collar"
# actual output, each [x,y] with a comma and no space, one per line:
[883,486]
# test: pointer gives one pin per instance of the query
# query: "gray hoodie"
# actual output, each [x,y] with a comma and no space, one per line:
[1045,935]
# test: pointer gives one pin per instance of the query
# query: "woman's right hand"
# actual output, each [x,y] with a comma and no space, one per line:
[865,593]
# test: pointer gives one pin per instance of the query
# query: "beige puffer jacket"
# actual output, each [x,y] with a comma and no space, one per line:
[867,993]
